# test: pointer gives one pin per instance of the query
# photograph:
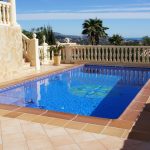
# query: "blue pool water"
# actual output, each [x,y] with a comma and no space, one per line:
[90,90]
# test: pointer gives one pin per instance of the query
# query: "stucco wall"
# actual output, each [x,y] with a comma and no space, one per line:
[10,50]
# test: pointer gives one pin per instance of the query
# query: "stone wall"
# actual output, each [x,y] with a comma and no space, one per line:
[11,55]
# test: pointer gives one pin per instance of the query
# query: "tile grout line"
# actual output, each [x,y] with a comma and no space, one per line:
[73,138]
[24,134]
[105,127]
[47,136]
[70,121]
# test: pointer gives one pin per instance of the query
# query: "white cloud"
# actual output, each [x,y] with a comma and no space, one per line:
[122,5]
[108,15]
[116,9]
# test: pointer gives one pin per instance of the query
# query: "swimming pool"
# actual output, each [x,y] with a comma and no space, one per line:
[89,90]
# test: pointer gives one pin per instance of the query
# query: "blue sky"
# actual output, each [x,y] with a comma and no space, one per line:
[129,18]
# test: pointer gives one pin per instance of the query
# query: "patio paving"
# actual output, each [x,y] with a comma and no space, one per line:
[17,134]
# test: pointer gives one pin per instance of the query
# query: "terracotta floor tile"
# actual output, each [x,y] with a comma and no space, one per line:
[42,119]
[147,85]
[145,92]
[58,122]
[11,130]
[14,138]
[93,128]
[40,144]
[13,114]
[148,101]
[59,115]
[4,112]
[47,126]
[58,131]
[82,136]
[8,107]
[10,127]
[68,147]
[126,134]
[31,111]
[136,106]
[27,117]
[33,131]
[61,140]
[141,98]
[71,131]
[112,143]
[15,146]
[92,120]
[75,125]
[130,115]
[92,145]
[121,124]
[113,131]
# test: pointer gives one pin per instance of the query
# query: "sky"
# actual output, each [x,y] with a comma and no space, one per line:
[129,18]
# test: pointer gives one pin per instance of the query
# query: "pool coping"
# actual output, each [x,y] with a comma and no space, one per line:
[116,127]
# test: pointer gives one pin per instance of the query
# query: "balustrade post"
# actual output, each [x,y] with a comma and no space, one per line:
[68,51]
[126,55]
[34,52]
[122,54]
[110,54]
[0,13]
[8,14]
[45,50]
[13,12]
[134,56]
[4,14]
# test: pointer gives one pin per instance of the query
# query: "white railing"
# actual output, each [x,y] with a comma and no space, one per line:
[46,56]
[8,13]
[5,17]
[30,50]
[25,44]
[107,54]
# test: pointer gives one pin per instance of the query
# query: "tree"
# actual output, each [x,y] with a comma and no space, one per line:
[116,39]
[40,32]
[146,41]
[94,29]
[27,33]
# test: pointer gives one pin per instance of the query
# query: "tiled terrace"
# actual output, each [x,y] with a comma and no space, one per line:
[25,128]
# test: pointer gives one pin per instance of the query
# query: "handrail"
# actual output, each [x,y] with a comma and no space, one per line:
[25,37]
[5,3]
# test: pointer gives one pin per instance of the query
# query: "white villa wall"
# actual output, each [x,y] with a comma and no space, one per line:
[11,54]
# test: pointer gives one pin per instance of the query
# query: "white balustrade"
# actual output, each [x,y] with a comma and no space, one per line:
[110,54]
[8,13]
[31,50]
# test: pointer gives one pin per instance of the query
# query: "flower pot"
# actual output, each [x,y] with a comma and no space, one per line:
[57,60]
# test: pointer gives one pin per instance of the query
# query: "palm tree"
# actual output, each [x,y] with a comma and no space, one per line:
[94,29]
[116,39]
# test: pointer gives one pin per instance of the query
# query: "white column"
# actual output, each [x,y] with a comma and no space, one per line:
[45,48]
[34,52]
[13,12]
[68,50]
[0,13]
[4,13]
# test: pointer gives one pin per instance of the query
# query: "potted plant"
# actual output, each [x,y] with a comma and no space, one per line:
[57,53]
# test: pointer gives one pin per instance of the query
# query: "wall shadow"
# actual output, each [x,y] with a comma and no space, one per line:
[141,130]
